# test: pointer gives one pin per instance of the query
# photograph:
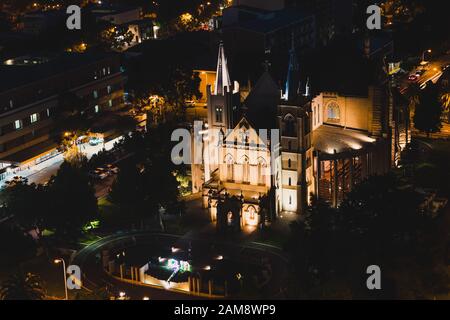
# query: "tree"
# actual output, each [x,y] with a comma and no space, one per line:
[427,116]
[147,182]
[26,202]
[97,294]
[70,118]
[15,246]
[127,190]
[169,77]
[116,38]
[376,223]
[180,86]
[72,198]
[22,287]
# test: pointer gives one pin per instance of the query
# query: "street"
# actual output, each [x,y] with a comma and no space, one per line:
[433,72]
[42,172]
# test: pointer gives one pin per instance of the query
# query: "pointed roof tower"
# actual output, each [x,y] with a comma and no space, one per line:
[292,78]
[222,76]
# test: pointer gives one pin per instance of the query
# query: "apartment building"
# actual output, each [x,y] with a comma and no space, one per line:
[30,95]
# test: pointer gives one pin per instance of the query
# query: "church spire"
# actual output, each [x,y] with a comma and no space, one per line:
[223,82]
[307,88]
[292,82]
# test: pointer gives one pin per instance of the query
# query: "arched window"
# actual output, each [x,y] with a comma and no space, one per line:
[230,218]
[251,212]
[245,170]
[289,163]
[333,112]
[290,181]
[261,171]
[229,161]
[289,126]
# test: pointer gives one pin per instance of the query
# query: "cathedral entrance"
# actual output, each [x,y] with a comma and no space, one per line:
[229,214]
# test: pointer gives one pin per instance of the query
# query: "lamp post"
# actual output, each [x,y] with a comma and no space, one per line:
[64,273]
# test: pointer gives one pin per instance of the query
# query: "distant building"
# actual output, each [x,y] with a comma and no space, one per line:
[263,5]
[117,15]
[31,93]
[254,30]
[36,23]
[333,17]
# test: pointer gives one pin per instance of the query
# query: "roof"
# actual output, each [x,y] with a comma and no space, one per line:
[329,138]
[262,102]
[32,153]
[111,9]
[15,76]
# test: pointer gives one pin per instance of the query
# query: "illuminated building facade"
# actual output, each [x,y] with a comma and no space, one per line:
[324,143]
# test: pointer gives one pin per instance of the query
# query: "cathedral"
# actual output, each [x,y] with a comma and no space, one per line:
[281,147]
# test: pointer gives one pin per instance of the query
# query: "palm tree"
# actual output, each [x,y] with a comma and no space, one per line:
[22,287]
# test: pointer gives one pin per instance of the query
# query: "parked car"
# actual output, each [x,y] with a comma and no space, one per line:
[99,173]
[112,168]
[419,72]
[95,141]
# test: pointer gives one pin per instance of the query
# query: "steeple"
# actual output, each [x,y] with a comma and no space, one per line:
[292,79]
[307,88]
[223,82]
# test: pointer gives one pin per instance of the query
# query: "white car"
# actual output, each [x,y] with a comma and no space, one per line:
[95,141]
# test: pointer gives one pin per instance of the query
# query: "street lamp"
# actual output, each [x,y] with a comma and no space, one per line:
[64,273]
[423,56]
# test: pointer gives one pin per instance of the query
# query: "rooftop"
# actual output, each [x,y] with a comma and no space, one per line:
[12,76]
[330,139]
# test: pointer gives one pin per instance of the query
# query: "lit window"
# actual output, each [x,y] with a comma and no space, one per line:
[110,103]
[104,71]
[251,211]
[11,104]
[48,112]
[96,108]
[333,112]
[18,124]
[109,70]
[34,117]
[109,89]
[219,114]
[95,94]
